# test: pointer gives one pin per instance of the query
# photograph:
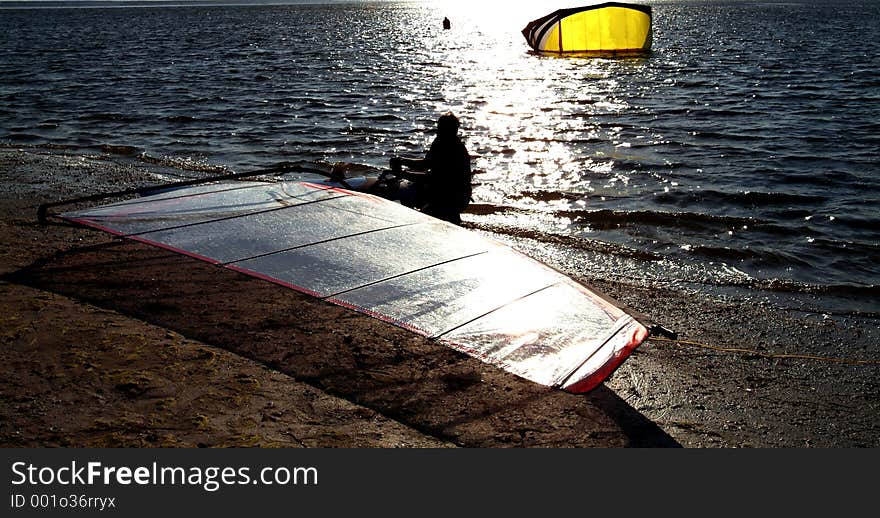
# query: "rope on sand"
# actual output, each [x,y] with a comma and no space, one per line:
[849,361]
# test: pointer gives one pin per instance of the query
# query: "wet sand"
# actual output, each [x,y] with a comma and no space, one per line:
[114,343]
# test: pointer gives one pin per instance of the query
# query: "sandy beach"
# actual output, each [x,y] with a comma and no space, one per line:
[113,343]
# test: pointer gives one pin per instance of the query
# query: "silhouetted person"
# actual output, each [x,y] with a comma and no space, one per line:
[445,185]
[446,23]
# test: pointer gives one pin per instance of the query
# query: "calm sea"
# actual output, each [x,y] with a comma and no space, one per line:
[743,153]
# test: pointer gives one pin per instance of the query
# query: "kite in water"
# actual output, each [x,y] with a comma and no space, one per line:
[611,27]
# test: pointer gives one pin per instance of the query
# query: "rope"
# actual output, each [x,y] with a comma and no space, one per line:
[849,361]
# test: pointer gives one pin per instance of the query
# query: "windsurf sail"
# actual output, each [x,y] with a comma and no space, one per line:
[382,259]
[607,27]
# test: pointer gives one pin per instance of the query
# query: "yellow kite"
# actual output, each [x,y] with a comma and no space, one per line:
[608,27]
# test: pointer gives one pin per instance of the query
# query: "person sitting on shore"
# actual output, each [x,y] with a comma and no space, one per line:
[444,177]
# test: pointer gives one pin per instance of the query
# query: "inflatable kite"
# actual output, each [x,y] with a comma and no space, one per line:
[611,27]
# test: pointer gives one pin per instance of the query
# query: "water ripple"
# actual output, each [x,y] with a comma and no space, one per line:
[742,139]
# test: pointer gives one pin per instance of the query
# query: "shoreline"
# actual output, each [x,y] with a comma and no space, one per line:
[392,388]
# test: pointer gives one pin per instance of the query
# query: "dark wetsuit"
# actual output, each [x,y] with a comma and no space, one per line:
[447,189]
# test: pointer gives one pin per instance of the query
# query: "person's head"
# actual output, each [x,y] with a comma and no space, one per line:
[447,124]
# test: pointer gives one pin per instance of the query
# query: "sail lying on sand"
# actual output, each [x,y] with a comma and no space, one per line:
[395,264]
[607,27]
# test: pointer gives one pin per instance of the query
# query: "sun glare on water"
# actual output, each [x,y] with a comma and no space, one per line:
[514,103]
[495,15]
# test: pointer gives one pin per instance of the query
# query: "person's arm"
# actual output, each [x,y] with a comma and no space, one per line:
[416,164]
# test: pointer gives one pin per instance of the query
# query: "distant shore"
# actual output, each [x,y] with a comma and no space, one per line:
[111,343]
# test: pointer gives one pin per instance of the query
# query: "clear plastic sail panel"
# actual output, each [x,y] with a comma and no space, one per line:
[375,256]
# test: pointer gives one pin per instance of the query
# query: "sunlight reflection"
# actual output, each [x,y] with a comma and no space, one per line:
[497,14]
[535,125]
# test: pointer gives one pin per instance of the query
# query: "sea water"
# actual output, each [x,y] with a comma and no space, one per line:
[741,153]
